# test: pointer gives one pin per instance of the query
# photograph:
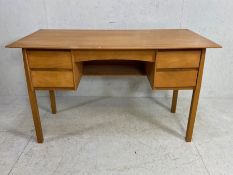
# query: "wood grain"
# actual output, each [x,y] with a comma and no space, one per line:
[89,55]
[150,73]
[178,59]
[49,59]
[114,39]
[184,78]
[57,59]
[195,98]
[52,78]
[151,70]
[77,70]
[33,100]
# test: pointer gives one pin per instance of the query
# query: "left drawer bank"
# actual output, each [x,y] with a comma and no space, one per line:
[53,69]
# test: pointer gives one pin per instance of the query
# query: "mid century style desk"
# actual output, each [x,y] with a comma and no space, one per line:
[172,59]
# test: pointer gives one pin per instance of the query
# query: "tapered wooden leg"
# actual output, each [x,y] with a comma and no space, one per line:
[53,101]
[33,100]
[36,116]
[195,98]
[192,116]
[174,101]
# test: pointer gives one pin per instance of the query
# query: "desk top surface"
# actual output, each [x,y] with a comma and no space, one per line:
[114,39]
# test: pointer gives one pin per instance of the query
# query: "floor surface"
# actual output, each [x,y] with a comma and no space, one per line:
[114,136]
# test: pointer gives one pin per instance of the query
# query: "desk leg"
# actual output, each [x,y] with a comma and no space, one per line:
[195,98]
[36,116]
[53,101]
[174,101]
[33,101]
[192,116]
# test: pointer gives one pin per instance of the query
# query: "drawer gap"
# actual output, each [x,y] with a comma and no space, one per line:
[50,69]
[175,69]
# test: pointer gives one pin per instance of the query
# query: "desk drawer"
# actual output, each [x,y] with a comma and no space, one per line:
[52,79]
[178,59]
[49,59]
[140,55]
[184,78]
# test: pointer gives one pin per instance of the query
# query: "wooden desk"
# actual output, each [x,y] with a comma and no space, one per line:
[57,59]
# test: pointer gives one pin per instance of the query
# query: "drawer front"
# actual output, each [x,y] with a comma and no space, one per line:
[49,59]
[52,79]
[178,59]
[186,78]
[141,55]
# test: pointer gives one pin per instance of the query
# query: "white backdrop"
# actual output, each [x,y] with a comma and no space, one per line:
[211,18]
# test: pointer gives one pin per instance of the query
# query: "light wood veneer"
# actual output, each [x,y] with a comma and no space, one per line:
[172,59]
[178,59]
[49,59]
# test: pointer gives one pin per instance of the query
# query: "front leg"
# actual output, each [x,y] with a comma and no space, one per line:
[195,98]
[192,115]
[33,101]
[36,116]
